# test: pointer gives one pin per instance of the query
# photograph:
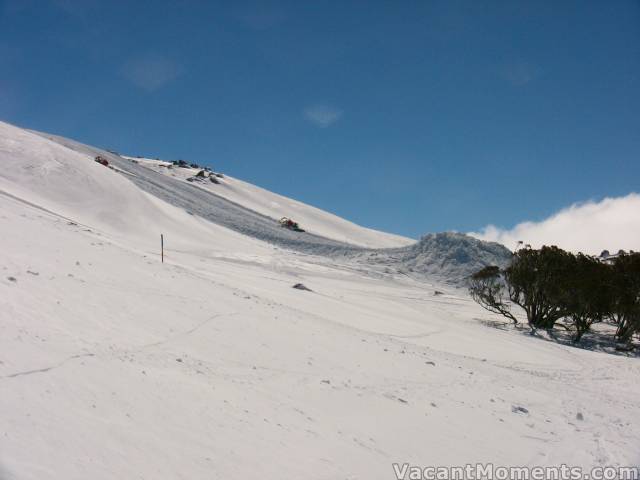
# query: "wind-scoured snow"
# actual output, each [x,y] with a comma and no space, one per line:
[210,365]
[208,205]
[275,206]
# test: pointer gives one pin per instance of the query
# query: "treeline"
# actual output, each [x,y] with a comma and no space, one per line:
[557,288]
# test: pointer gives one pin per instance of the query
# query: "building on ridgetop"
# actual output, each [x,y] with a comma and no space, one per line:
[609,258]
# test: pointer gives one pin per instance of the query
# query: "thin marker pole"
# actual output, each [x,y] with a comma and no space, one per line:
[162,247]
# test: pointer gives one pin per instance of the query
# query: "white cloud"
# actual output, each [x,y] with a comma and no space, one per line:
[589,227]
[151,72]
[322,115]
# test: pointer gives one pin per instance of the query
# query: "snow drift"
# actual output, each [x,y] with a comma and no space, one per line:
[453,256]
[275,206]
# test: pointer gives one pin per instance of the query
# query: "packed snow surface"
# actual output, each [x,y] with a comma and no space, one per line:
[210,365]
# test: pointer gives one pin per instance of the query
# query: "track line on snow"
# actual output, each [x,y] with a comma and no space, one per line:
[186,332]
[47,369]
[38,207]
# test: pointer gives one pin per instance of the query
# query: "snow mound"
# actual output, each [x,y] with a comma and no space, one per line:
[448,257]
[454,256]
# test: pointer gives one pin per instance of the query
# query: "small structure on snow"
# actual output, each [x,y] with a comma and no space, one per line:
[286,222]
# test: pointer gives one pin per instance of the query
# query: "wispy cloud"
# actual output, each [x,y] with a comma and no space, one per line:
[521,73]
[589,227]
[322,115]
[151,72]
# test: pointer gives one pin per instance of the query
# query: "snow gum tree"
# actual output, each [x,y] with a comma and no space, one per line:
[487,288]
[535,280]
[550,284]
[625,309]
[586,293]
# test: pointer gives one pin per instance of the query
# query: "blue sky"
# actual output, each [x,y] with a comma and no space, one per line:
[409,117]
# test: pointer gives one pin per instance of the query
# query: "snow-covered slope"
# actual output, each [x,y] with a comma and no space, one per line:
[448,256]
[114,365]
[56,179]
[425,259]
[276,206]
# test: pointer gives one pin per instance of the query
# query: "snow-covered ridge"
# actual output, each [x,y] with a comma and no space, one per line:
[447,256]
[69,183]
[314,220]
[253,212]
